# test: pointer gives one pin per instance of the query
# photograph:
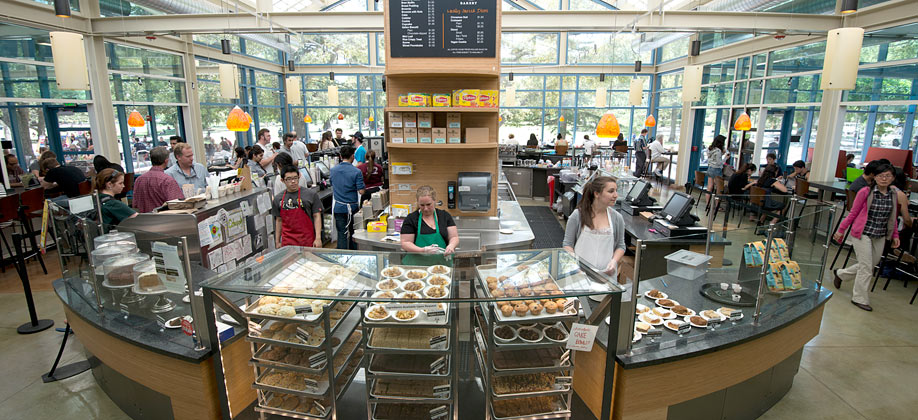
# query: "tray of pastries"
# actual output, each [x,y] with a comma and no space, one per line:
[301,310]
[535,295]
[526,384]
[527,407]
[408,339]
[271,331]
[297,383]
[293,404]
[404,411]
[542,358]
[430,365]
[292,358]
[400,388]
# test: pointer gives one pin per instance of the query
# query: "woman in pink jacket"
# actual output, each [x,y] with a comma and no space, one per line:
[873,221]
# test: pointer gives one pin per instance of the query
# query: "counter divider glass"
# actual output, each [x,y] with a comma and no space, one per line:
[420,325]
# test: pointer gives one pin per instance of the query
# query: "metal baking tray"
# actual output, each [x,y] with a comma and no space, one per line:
[448,404]
[311,319]
[563,411]
[259,360]
[375,331]
[321,391]
[280,411]
[348,322]
[373,357]
[414,399]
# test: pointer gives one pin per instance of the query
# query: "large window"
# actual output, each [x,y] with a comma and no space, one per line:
[361,102]
[339,49]
[605,48]
[529,48]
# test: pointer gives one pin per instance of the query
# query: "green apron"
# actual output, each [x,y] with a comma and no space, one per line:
[423,240]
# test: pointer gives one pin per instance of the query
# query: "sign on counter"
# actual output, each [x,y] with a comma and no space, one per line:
[582,336]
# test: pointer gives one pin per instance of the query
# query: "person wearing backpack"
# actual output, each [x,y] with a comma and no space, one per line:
[640,153]
[108,184]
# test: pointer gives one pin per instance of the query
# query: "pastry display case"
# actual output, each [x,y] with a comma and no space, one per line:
[316,317]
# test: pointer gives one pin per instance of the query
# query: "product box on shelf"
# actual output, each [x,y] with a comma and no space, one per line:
[425,135]
[487,99]
[395,119]
[441,100]
[476,135]
[438,135]
[453,120]
[425,119]
[414,99]
[465,97]
[410,119]
[396,135]
[453,135]
[411,135]
[403,100]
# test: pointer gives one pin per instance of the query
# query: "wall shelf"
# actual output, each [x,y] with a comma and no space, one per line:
[441,146]
[440,109]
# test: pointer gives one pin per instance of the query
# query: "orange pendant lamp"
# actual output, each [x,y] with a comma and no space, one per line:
[135,119]
[237,120]
[650,121]
[743,123]
[340,116]
[608,126]
[250,118]
[307,119]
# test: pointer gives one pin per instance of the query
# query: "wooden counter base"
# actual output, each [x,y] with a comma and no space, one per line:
[687,379]
[191,387]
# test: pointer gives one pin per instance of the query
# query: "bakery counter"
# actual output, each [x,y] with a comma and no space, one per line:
[739,369]
[509,231]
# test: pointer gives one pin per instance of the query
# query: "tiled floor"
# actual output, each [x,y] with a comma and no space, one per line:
[861,366]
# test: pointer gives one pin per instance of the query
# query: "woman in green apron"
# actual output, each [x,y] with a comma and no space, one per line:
[429,234]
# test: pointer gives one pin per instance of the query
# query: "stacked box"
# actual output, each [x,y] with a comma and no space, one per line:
[441,100]
[425,135]
[438,135]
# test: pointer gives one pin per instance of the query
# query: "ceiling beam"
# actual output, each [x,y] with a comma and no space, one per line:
[41,16]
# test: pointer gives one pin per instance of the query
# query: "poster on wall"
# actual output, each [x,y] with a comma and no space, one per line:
[235,224]
[442,28]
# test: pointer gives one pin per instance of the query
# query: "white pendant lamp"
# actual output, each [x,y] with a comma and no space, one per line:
[264,6]
[601,97]
[691,83]
[843,54]
[229,81]
[69,56]
[292,85]
[332,95]
[510,96]
[636,92]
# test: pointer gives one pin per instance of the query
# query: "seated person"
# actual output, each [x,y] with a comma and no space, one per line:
[866,179]
[800,171]
[13,171]
[65,179]
[739,183]
[850,158]
[771,159]
[109,183]
[770,181]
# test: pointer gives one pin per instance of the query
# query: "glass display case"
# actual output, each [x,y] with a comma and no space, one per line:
[415,326]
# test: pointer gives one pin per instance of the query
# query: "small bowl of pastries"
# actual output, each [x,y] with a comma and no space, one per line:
[666,303]
[409,295]
[530,334]
[442,280]
[655,294]
[681,310]
[505,334]
[416,275]
[388,284]
[405,315]
[436,292]
[393,272]
[438,269]
[377,313]
[412,286]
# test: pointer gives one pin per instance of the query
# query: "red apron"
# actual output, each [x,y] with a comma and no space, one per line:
[297,224]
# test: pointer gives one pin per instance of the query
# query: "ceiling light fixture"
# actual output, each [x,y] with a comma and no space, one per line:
[225,46]
[62,8]
[848,6]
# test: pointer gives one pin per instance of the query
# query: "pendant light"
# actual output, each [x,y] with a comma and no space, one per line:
[332,91]
[510,96]
[264,6]
[135,119]
[225,46]
[292,86]
[848,6]
[249,117]
[636,92]
[307,119]
[62,8]
[237,120]
[650,121]
[843,52]
[601,97]
[229,81]
[340,116]
[69,57]
[561,119]
[691,83]
[608,126]
[743,123]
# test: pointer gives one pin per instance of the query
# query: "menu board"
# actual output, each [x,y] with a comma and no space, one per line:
[442,28]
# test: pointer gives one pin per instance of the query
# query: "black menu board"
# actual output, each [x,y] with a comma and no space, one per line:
[442,28]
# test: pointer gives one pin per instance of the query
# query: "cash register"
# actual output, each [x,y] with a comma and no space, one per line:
[676,218]
[638,200]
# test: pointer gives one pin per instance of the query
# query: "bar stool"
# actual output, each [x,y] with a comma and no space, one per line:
[849,201]
[32,204]
[9,207]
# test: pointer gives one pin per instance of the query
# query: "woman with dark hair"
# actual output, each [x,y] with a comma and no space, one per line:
[100,162]
[241,158]
[372,175]
[873,222]
[595,232]
[109,183]
[533,142]
[255,155]
[280,161]
[739,183]
[716,165]
[770,183]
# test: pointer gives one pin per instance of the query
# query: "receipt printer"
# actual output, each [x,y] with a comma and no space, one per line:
[474,191]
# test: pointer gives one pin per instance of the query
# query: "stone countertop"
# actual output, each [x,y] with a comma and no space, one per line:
[776,314]
[491,239]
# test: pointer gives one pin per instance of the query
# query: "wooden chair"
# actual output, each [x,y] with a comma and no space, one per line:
[904,262]
[699,183]
[9,211]
[620,152]
[849,201]
[31,204]
[85,187]
[128,186]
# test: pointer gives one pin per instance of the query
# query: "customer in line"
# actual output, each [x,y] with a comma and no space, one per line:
[872,220]
[108,184]
[256,153]
[589,146]
[65,179]
[295,148]
[347,187]
[267,159]
[155,187]
[186,170]
[715,170]
[360,151]
[339,137]
[640,153]
[428,230]
[866,179]
[372,176]
[656,156]
[298,213]
[241,159]
[327,141]
[282,160]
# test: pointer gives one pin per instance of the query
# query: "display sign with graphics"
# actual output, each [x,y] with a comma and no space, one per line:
[442,28]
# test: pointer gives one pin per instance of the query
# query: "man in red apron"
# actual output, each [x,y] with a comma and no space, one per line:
[298,213]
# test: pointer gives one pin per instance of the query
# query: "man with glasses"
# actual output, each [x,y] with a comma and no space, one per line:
[186,170]
[298,213]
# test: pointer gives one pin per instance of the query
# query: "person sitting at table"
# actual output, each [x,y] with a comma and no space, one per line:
[595,232]
[108,184]
[772,159]
[256,153]
[327,142]
[739,183]
[533,142]
[372,176]
[65,179]
[13,171]
[800,172]
[770,182]
[901,183]
[656,156]
[850,159]
[866,178]
[297,211]
[428,230]
[154,188]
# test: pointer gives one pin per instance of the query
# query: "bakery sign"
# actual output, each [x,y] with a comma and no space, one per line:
[235,223]
[169,267]
[582,336]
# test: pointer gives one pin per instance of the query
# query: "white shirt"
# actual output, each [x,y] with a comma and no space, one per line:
[269,151]
[588,145]
[656,149]
[297,151]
